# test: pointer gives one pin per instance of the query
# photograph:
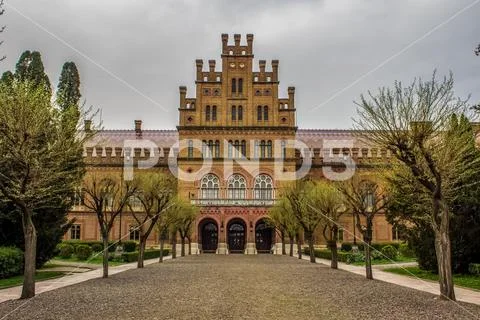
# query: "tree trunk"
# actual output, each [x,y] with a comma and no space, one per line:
[162,242]
[368,260]
[174,245]
[291,246]
[105,254]
[30,255]
[310,247]
[444,261]
[141,251]
[189,247]
[299,247]
[183,247]
[284,250]
[332,245]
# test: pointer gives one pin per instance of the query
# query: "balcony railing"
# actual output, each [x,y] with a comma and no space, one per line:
[234,202]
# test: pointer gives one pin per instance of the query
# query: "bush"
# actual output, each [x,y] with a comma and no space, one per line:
[96,247]
[406,251]
[129,246]
[346,246]
[375,254]
[149,254]
[356,257]
[327,254]
[474,268]
[389,252]
[91,243]
[65,250]
[11,262]
[83,252]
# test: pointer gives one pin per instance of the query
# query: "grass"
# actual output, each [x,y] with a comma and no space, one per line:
[462,280]
[400,259]
[96,260]
[39,276]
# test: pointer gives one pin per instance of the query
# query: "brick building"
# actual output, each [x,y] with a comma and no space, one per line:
[236,146]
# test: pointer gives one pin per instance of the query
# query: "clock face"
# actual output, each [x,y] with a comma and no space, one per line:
[232,65]
[242,65]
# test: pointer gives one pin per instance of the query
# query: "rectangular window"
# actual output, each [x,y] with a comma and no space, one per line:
[234,113]
[207,113]
[240,113]
[265,113]
[234,85]
[214,113]
[259,113]
[75,232]
[340,234]
[240,85]
[190,149]
[134,233]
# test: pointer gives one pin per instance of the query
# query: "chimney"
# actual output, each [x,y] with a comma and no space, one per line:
[87,125]
[224,42]
[211,65]
[291,97]
[199,63]
[183,94]
[250,43]
[138,127]
[262,64]
[237,38]
[275,70]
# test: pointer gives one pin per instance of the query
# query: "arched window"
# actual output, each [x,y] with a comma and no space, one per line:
[234,113]
[265,113]
[207,113]
[240,113]
[284,149]
[367,189]
[190,149]
[209,186]
[244,149]
[240,85]
[214,113]
[236,148]
[210,148]
[263,187]
[269,148]
[204,149]
[217,149]
[263,146]
[255,150]
[236,187]
[234,85]
[259,113]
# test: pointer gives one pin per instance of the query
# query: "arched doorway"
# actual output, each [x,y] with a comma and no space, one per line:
[263,236]
[237,231]
[209,233]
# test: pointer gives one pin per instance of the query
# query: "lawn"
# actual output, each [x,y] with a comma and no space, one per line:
[39,276]
[95,260]
[400,259]
[462,280]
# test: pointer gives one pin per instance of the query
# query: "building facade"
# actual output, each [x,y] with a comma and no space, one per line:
[236,147]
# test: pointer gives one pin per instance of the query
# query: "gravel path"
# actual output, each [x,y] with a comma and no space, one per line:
[236,287]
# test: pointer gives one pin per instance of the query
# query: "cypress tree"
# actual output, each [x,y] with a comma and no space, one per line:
[30,68]
[68,93]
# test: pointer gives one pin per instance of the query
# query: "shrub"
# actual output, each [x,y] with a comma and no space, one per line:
[376,255]
[97,247]
[129,246]
[149,254]
[405,250]
[11,262]
[83,252]
[65,250]
[474,268]
[389,252]
[111,247]
[346,246]
[356,257]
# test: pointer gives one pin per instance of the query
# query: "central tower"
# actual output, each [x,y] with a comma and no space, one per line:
[238,122]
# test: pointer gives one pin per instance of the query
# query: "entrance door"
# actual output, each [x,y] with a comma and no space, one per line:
[263,237]
[209,237]
[236,237]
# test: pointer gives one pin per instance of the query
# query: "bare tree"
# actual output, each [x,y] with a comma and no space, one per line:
[155,192]
[413,123]
[107,195]
[365,199]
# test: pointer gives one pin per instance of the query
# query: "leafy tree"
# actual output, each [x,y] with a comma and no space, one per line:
[183,216]
[282,218]
[40,165]
[413,123]
[365,199]
[302,196]
[155,193]
[7,78]
[107,195]
[406,211]
[68,90]
[330,203]
[30,68]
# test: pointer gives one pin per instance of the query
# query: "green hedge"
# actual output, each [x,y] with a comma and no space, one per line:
[474,268]
[83,252]
[378,246]
[129,246]
[149,254]
[90,243]
[326,254]
[11,262]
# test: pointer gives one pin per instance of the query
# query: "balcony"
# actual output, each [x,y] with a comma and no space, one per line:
[234,202]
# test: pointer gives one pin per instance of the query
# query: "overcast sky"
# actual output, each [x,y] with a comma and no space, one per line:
[133,55]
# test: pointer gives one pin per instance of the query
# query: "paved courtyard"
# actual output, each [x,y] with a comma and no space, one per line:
[236,287]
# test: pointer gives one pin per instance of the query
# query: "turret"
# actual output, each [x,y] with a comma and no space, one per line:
[291,97]
[199,63]
[224,43]
[236,38]
[183,94]
[274,70]
[250,43]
